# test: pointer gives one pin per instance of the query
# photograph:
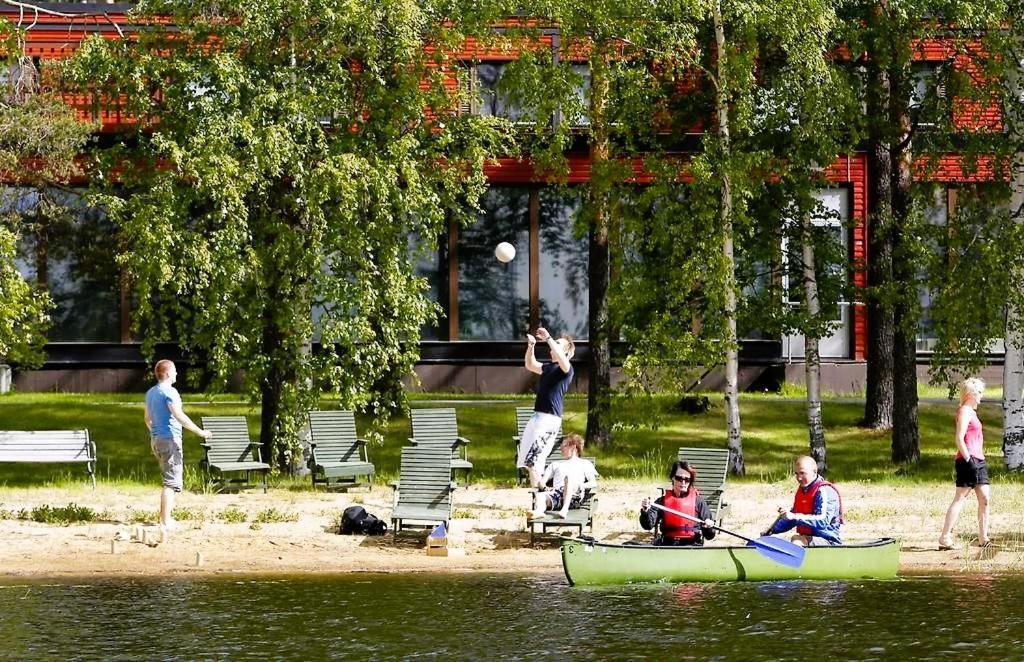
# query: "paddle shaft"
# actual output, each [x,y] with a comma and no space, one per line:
[699,520]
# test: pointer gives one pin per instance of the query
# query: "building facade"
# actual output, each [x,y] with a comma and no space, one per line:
[488,305]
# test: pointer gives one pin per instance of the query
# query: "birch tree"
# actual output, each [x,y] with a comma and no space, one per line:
[609,110]
[285,152]
[1013,335]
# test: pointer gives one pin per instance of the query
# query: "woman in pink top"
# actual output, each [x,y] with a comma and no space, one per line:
[971,470]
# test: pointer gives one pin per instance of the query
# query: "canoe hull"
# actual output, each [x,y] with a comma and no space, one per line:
[589,563]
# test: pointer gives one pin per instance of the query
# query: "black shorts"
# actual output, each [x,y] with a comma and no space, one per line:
[971,473]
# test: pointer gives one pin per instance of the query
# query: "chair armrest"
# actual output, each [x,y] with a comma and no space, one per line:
[362,442]
[461,440]
[412,441]
[394,485]
[312,444]
[452,486]
[516,438]
[205,445]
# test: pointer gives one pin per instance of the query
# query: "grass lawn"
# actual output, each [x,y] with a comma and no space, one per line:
[774,431]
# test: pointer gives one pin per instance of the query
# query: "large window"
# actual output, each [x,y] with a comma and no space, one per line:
[936,213]
[429,262]
[831,221]
[494,297]
[563,264]
[927,93]
[70,247]
[489,97]
[963,218]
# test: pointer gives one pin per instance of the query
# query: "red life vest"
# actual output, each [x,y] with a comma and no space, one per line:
[673,526]
[803,503]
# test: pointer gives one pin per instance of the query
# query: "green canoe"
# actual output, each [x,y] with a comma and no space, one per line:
[589,563]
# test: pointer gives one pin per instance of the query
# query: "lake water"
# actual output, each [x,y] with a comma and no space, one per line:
[487,616]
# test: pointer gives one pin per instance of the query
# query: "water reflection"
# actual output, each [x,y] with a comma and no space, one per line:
[472,616]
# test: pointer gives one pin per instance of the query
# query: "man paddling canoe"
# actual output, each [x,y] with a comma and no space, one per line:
[817,511]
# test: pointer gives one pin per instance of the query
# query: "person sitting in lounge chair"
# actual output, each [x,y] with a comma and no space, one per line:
[682,497]
[569,479]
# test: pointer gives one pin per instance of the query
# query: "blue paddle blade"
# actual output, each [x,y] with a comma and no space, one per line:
[780,551]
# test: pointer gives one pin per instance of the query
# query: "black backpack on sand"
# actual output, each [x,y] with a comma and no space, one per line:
[356,521]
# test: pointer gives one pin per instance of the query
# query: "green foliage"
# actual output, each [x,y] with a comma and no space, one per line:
[24,315]
[294,151]
[139,516]
[956,260]
[40,139]
[63,515]
[232,515]
[274,516]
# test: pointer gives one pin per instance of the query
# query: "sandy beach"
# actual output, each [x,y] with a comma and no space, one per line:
[488,531]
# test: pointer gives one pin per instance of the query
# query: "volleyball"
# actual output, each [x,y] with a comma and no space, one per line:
[505,252]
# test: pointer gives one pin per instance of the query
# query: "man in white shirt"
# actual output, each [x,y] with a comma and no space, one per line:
[569,479]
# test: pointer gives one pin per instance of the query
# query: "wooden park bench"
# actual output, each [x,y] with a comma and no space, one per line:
[423,493]
[230,451]
[49,446]
[337,456]
[439,427]
[712,466]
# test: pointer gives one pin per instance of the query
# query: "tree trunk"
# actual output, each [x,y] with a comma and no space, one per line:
[1013,402]
[906,442]
[812,357]
[1013,360]
[599,385]
[879,396]
[277,376]
[734,438]
[270,408]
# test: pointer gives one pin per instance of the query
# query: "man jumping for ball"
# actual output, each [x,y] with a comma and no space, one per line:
[555,377]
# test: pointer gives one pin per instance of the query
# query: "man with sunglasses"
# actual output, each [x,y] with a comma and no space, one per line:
[683,497]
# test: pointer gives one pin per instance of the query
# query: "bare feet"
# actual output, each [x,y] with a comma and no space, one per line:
[535,514]
[945,544]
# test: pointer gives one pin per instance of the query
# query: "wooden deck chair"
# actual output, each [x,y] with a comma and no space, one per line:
[712,468]
[423,493]
[439,427]
[230,451]
[523,415]
[336,455]
[577,519]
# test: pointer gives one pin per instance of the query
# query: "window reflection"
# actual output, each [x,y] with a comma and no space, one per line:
[69,245]
[430,263]
[491,99]
[563,264]
[494,296]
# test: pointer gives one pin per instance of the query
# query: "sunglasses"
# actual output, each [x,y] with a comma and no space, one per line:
[682,479]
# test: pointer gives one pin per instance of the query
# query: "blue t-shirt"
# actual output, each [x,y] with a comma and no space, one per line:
[158,403]
[551,388]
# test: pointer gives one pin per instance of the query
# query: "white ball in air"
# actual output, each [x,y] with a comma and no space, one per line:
[505,252]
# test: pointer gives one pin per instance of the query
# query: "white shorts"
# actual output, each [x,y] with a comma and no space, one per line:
[538,440]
